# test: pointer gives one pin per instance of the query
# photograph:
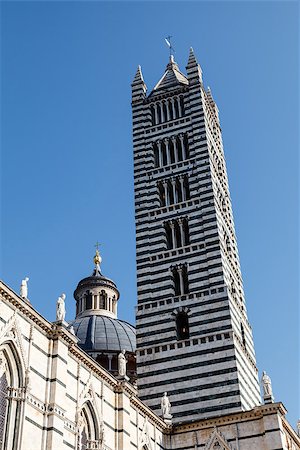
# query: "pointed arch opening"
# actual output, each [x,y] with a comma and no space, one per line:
[11,395]
[88,432]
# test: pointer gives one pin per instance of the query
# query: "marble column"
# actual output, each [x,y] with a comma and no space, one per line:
[174,243]
[166,141]
[181,280]
[183,243]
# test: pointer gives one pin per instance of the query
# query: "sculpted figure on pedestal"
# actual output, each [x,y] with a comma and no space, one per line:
[266,384]
[165,406]
[122,364]
[60,308]
[24,288]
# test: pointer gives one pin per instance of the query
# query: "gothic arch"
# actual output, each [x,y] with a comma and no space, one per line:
[10,332]
[12,394]
[87,426]
[89,421]
[217,441]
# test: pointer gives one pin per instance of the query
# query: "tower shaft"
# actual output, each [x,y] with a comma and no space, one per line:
[194,340]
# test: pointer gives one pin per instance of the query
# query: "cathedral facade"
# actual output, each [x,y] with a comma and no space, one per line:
[185,378]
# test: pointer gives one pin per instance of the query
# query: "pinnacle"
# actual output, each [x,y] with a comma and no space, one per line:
[138,76]
[192,59]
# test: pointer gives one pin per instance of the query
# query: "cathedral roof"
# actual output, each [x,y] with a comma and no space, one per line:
[171,78]
[100,333]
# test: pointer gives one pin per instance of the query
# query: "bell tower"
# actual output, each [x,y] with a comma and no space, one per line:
[194,340]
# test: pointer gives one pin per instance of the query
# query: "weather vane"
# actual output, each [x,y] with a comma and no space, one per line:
[168,42]
[97,245]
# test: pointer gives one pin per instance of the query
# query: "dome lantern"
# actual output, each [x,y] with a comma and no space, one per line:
[96,294]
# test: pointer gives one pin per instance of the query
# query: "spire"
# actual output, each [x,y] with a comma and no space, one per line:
[194,72]
[138,85]
[192,59]
[138,76]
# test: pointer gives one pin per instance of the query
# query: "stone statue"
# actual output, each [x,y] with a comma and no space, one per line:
[165,406]
[267,386]
[60,308]
[122,364]
[24,288]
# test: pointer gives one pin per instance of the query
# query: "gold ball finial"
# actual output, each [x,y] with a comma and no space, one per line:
[97,257]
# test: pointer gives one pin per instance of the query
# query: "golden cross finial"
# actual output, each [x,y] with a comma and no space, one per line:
[97,257]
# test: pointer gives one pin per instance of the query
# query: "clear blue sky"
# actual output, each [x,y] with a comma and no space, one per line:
[67,177]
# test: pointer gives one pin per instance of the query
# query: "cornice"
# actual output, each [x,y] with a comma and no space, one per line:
[152,417]
[54,331]
[290,430]
[243,416]
[24,307]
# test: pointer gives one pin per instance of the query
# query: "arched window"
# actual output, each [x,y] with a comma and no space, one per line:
[3,405]
[168,236]
[177,242]
[172,151]
[172,200]
[179,192]
[152,114]
[156,155]
[102,300]
[176,108]
[182,105]
[165,112]
[164,153]
[176,280]
[187,189]
[179,149]
[180,279]
[170,109]
[158,112]
[88,431]
[182,326]
[88,300]
[185,280]
[161,193]
[11,380]
[186,146]
[186,232]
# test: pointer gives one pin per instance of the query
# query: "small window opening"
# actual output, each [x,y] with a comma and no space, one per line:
[182,326]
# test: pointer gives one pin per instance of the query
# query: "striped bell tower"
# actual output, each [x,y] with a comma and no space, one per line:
[194,340]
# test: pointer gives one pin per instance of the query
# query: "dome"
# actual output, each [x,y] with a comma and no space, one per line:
[98,333]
